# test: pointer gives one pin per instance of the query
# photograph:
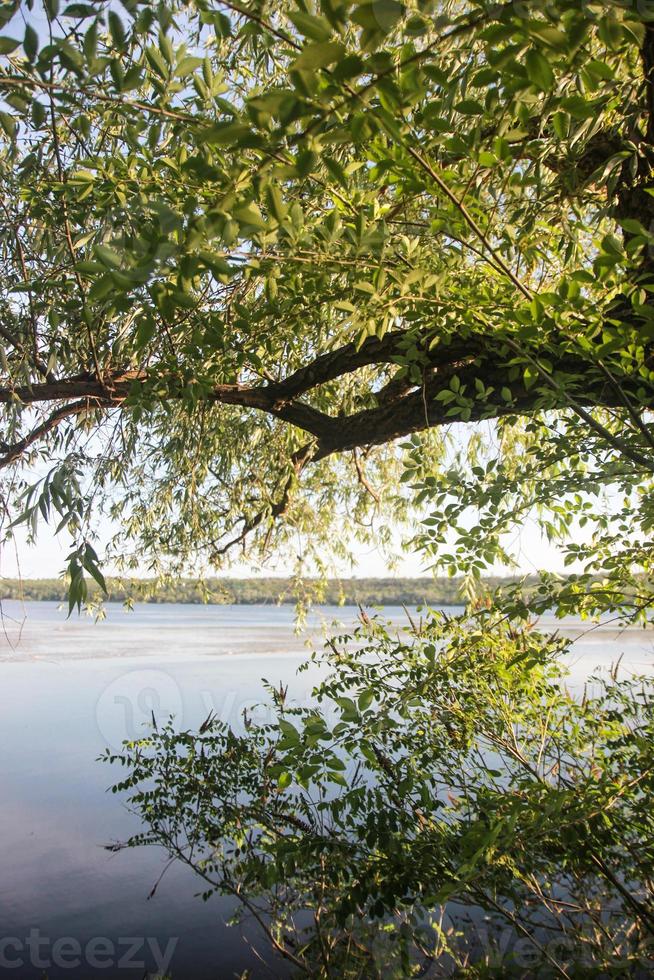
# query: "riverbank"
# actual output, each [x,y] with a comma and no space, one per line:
[261,591]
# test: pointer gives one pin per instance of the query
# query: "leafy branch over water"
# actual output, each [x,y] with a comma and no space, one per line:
[442,774]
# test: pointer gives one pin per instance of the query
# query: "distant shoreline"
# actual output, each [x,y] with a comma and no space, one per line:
[263,591]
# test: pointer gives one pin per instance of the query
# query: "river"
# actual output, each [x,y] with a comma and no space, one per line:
[68,689]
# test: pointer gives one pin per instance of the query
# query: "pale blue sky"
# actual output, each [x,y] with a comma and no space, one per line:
[47,558]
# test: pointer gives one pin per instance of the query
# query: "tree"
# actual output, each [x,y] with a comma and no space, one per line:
[247,247]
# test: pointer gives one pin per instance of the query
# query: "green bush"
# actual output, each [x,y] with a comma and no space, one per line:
[441,773]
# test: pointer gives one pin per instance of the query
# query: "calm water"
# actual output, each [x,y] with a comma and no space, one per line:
[70,688]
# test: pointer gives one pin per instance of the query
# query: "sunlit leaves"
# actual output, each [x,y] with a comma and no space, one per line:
[318,55]
[310,26]
[447,763]
[219,197]
[539,70]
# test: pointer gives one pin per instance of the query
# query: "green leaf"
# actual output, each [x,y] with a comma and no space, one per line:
[487,159]
[539,70]
[319,55]
[633,227]
[39,115]
[550,35]
[275,203]
[223,134]
[469,107]
[108,256]
[560,124]
[8,124]
[80,11]
[187,66]
[156,62]
[8,44]
[612,246]
[578,107]
[101,288]
[222,24]
[366,698]
[250,215]
[91,566]
[145,331]
[289,731]
[378,15]
[31,42]
[309,25]
[116,29]
[348,708]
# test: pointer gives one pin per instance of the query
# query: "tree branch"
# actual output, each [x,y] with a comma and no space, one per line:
[12,452]
[416,407]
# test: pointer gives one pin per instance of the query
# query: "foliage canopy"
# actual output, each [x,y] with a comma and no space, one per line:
[245,248]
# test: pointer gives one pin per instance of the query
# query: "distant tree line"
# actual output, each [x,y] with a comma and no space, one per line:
[249,591]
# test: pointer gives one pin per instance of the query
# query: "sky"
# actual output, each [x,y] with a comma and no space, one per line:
[47,558]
